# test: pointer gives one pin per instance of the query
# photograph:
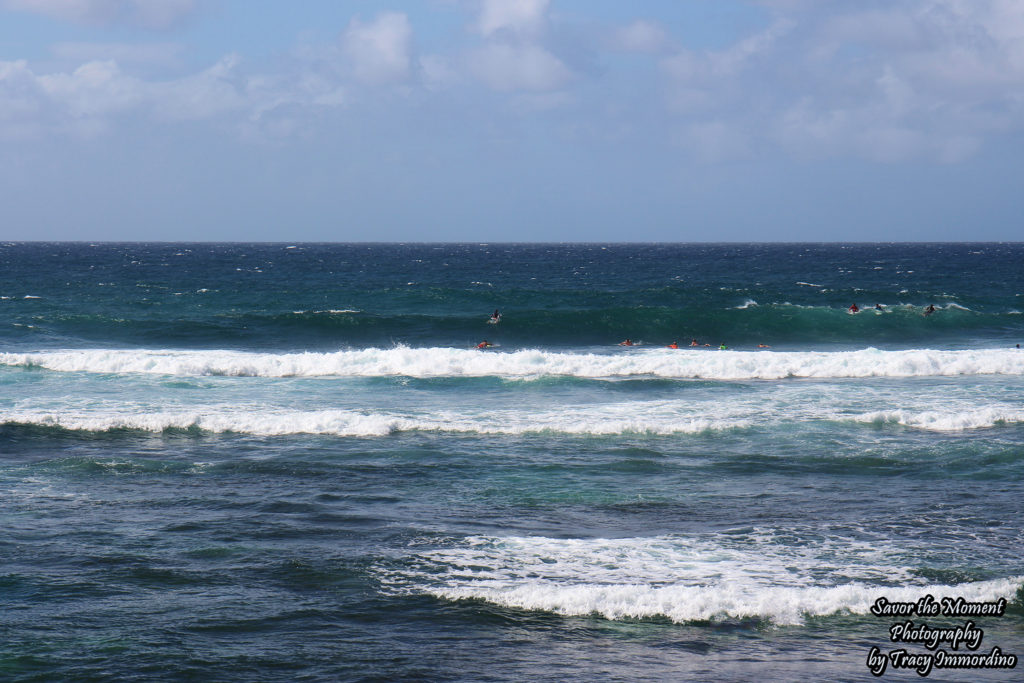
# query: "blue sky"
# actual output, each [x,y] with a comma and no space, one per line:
[512,120]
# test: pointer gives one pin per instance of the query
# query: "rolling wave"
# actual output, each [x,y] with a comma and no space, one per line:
[359,423]
[451,362]
[651,418]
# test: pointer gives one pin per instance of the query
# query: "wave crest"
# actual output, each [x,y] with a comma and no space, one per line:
[450,362]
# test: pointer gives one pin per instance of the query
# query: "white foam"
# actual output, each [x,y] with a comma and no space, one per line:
[948,420]
[929,411]
[684,579]
[604,420]
[341,423]
[450,362]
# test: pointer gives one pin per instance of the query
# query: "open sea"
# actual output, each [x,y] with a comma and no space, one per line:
[291,462]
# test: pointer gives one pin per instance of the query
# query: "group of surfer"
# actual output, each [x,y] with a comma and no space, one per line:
[693,343]
[854,308]
[496,317]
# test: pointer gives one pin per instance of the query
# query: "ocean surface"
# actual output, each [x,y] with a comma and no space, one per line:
[291,461]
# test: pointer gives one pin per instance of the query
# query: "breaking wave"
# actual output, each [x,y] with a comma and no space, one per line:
[450,362]
[683,579]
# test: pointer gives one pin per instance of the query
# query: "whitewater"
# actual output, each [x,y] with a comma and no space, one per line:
[533,363]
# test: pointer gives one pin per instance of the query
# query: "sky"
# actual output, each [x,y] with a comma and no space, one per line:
[512,120]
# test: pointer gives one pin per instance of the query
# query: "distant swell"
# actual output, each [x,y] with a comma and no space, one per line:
[449,362]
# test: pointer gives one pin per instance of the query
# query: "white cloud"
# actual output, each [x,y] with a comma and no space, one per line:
[923,79]
[89,98]
[930,79]
[153,14]
[21,100]
[519,67]
[519,17]
[380,50]
[513,58]
[209,93]
[94,89]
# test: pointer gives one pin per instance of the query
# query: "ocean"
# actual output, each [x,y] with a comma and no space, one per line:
[263,462]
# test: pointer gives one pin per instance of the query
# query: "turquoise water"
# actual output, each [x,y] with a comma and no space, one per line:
[290,462]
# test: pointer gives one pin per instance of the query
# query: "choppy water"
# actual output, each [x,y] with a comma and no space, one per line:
[290,462]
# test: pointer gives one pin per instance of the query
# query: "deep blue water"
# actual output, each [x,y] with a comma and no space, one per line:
[290,462]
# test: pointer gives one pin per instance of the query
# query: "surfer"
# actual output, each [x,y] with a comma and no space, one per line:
[878,307]
[484,344]
[929,310]
[626,342]
[763,346]
[853,308]
[495,317]
[674,345]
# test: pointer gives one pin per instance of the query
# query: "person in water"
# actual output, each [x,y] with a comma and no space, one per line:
[929,310]
[853,308]
[693,342]
[723,347]
[763,346]
[674,345]
[626,342]
[484,344]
